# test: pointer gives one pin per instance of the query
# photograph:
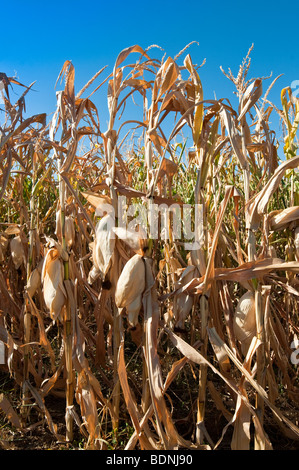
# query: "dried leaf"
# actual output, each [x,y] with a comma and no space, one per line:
[257,205]
[233,136]
[281,218]
[252,94]
[10,413]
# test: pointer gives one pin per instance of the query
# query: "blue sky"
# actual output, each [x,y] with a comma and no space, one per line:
[37,37]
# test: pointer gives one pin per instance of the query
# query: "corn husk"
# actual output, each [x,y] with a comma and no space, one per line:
[53,287]
[93,275]
[102,249]
[3,246]
[135,239]
[244,323]
[130,287]
[183,302]
[69,229]
[35,279]
[17,251]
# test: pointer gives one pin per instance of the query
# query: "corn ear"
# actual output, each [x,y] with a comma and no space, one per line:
[17,251]
[183,302]
[69,229]
[3,246]
[34,282]
[102,249]
[130,287]
[35,279]
[53,287]
[244,321]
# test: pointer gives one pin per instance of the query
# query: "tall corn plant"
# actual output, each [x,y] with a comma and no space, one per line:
[70,110]
[17,152]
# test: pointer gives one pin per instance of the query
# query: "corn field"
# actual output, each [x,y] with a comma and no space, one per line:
[150,341]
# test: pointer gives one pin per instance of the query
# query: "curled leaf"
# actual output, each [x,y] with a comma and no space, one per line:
[279,219]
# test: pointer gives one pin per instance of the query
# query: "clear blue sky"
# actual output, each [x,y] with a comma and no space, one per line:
[37,37]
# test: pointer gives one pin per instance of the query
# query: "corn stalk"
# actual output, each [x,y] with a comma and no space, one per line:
[27,314]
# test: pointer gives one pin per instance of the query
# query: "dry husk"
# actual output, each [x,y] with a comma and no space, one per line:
[296,242]
[135,239]
[130,287]
[183,302]
[35,279]
[102,249]
[3,246]
[69,229]
[281,218]
[52,279]
[17,251]
[244,321]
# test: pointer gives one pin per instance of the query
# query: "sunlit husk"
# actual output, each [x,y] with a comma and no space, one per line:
[52,279]
[130,287]
[244,320]
[102,249]
[17,251]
